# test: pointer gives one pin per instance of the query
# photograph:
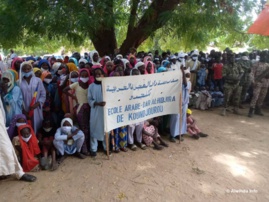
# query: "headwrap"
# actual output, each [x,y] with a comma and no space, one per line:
[108,58]
[152,67]
[7,74]
[72,67]
[173,57]
[82,60]
[91,57]
[119,56]
[105,67]
[68,120]
[132,56]
[94,70]
[70,76]
[189,111]
[74,60]
[165,63]
[161,69]
[44,75]
[84,69]
[29,150]
[138,65]
[124,61]
[146,59]
[43,61]
[12,126]
[14,61]
[15,74]
[131,72]
[36,69]
[22,73]
[195,52]
[30,58]
[55,67]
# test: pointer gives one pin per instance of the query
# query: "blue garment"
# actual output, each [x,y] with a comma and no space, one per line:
[175,118]
[75,61]
[97,112]
[201,76]
[13,104]
[217,98]
[121,137]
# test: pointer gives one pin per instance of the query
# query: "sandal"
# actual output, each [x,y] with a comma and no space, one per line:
[28,178]
[142,146]
[133,147]
[195,136]
[124,149]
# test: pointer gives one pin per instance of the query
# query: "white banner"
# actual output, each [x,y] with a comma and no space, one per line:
[132,99]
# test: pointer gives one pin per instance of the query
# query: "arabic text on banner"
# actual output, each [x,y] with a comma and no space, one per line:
[132,99]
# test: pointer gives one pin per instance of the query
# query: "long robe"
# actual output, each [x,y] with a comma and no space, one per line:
[97,112]
[9,163]
[27,93]
[13,104]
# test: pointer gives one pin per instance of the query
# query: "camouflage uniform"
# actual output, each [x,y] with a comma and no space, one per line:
[245,81]
[260,87]
[232,73]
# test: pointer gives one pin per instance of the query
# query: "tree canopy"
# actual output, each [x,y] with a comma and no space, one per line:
[111,24]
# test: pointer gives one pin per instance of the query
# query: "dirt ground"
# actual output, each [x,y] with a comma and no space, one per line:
[230,165]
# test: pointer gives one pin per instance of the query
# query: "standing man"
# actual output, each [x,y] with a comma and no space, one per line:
[193,65]
[244,84]
[260,81]
[232,73]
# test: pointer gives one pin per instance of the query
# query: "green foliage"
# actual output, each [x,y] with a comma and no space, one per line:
[42,26]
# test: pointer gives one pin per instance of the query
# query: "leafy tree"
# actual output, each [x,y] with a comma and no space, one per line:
[120,23]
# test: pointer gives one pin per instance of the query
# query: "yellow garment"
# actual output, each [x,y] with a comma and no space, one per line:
[16,74]
[72,67]
[81,94]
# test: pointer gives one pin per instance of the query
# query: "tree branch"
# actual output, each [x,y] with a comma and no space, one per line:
[133,14]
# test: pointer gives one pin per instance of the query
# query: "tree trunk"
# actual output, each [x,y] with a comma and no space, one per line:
[149,23]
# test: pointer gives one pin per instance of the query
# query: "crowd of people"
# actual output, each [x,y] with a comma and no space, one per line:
[54,108]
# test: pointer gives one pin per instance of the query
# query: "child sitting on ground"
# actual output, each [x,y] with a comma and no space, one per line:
[150,134]
[46,137]
[192,127]
[217,98]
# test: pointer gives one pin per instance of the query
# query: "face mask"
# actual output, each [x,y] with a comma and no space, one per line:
[66,129]
[98,78]
[47,129]
[47,80]
[60,72]
[84,80]
[62,77]
[74,80]
[26,139]
[20,124]
[28,74]
[195,57]
[42,69]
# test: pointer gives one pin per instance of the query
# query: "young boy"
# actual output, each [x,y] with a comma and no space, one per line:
[192,127]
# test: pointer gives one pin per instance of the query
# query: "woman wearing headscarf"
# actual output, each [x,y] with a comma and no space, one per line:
[94,56]
[17,120]
[15,64]
[73,60]
[149,67]
[68,139]
[82,109]
[37,72]
[11,95]
[44,65]
[108,68]
[126,64]
[34,95]
[132,60]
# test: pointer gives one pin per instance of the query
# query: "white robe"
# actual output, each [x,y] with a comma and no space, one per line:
[9,163]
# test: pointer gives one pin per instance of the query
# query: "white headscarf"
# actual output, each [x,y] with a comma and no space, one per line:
[125,61]
[22,73]
[55,67]
[195,52]
[119,56]
[82,60]
[138,65]
[10,77]
[91,56]
[68,120]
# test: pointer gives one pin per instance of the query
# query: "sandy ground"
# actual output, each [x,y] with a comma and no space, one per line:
[234,158]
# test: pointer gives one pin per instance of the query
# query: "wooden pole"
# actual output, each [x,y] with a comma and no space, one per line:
[180,116]
[107,145]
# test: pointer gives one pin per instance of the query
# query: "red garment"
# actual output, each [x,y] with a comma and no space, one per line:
[152,67]
[217,67]
[29,150]
[14,61]
[84,69]
[135,61]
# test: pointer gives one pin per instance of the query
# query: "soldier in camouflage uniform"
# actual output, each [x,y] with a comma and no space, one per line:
[260,81]
[245,82]
[232,72]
